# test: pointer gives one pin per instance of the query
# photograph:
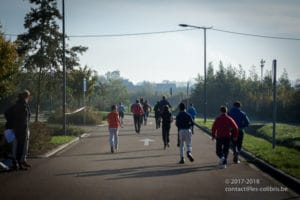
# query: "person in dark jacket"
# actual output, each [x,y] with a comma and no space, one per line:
[242,121]
[167,119]
[184,122]
[157,115]
[21,128]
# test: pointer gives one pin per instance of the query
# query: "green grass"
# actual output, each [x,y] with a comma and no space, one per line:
[286,135]
[61,139]
[285,158]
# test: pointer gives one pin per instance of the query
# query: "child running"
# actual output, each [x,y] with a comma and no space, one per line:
[113,127]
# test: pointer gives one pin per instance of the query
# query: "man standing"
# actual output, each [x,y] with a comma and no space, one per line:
[242,121]
[138,113]
[184,122]
[221,131]
[21,128]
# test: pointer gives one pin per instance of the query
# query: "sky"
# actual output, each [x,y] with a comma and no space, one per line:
[176,56]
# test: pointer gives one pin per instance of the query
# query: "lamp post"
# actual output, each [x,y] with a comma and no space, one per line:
[205,81]
[64,67]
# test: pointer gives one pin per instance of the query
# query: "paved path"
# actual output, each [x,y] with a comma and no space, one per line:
[87,170]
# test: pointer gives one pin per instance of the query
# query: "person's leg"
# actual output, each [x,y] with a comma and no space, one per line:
[181,146]
[168,135]
[116,139]
[135,121]
[189,144]
[164,136]
[25,151]
[226,145]
[111,139]
[20,150]
[219,150]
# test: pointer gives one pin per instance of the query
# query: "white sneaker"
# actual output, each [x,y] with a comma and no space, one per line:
[221,161]
[223,166]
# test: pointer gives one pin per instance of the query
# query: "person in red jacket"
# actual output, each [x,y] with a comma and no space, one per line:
[138,112]
[113,127]
[222,129]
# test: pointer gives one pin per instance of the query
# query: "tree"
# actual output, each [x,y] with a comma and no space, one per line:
[9,66]
[41,46]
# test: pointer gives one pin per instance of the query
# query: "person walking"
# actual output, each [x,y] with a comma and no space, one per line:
[138,113]
[113,127]
[21,129]
[162,103]
[147,109]
[121,110]
[184,122]
[167,119]
[193,112]
[223,128]
[157,115]
[242,121]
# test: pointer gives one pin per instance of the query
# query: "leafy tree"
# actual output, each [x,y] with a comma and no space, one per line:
[9,66]
[42,48]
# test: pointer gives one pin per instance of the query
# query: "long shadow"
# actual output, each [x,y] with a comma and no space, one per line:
[133,157]
[143,171]
[108,153]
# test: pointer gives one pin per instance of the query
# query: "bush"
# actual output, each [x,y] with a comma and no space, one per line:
[91,117]
[71,130]
[40,137]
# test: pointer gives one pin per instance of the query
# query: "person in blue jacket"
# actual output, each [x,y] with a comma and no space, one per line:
[193,112]
[242,121]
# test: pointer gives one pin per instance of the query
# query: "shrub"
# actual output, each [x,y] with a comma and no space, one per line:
[40,137]
[71,130]
[91,117]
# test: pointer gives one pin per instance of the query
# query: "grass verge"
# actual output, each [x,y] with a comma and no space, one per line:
[58,140]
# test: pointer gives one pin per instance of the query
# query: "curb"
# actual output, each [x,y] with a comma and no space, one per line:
[62,147]
[286,179]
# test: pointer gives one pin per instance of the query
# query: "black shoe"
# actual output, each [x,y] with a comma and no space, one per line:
[112,149]
[25,164]
[181,161]
[190,156]
[236,159]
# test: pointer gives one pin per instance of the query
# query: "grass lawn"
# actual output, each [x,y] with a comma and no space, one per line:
[61,139]
[286,135]
[284,158]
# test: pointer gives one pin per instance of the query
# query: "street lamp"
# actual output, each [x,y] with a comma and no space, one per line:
[205,82]
[64,67]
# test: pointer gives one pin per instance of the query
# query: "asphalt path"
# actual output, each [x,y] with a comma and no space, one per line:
[141,169]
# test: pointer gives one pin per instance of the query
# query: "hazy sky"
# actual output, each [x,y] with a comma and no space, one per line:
[175,56]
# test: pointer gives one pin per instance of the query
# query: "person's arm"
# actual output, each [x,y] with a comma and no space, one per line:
[235,129]
[214,130]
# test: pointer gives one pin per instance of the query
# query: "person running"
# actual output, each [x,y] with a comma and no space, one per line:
[242,121]
[193,112]
[167,119]
[121,110]
[184,122]
[221,131]
[157,115]
[138,112]
[162,103]
[147,109]
[113,127]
